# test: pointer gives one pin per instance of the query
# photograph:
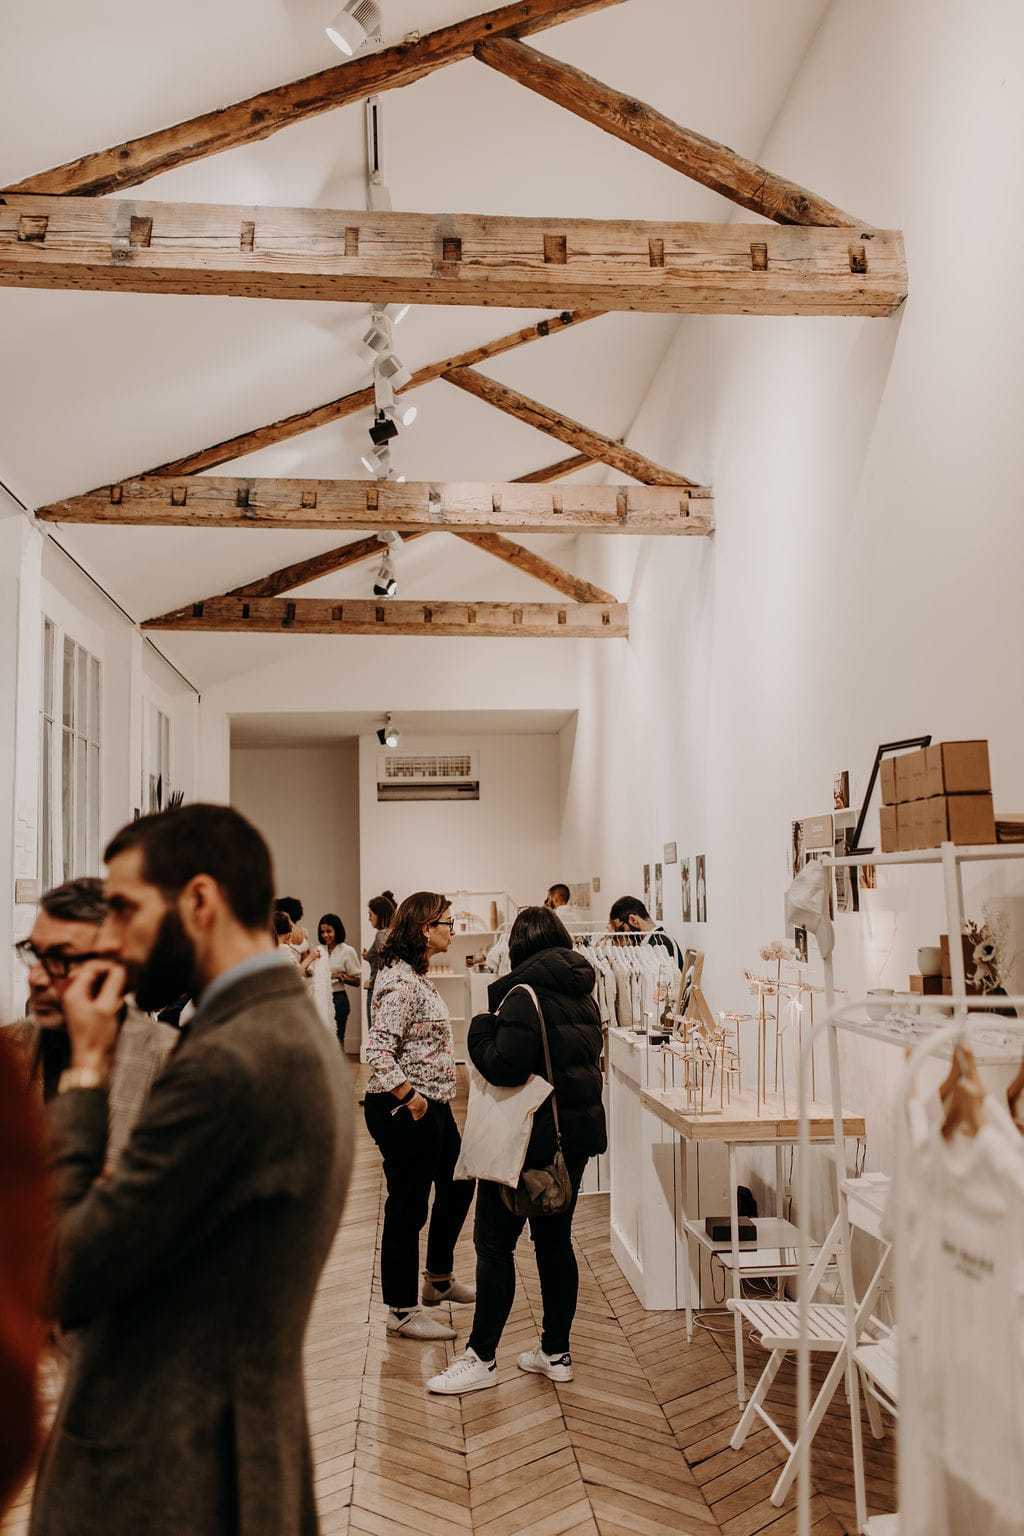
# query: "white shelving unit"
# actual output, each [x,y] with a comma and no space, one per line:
[469,908]
[950,1014]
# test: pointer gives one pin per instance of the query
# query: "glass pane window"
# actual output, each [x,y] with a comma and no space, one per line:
[69,788]
[69,682]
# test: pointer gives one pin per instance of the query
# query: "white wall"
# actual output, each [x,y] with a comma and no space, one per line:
[508,840]
[864,582]
[305,801]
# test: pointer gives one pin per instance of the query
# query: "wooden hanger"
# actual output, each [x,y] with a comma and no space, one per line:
[1013,1094]
[966,1095]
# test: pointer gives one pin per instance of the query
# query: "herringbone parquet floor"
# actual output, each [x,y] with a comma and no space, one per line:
[636,1445]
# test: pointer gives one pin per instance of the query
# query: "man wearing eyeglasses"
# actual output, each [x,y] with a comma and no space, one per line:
[63,938]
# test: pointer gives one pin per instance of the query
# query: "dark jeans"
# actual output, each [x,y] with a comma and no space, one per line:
[495,1233]
[342,1009]
[417,1154]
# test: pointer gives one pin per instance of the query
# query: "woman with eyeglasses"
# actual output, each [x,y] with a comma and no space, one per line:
[411,1055]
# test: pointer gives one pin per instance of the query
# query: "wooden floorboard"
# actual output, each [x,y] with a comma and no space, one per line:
[637,1445]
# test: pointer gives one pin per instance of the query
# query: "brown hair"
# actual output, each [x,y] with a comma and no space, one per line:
[406,940]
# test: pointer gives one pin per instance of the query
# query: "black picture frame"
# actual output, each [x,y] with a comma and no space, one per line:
[883,750]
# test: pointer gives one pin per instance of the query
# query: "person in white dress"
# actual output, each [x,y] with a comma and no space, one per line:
[346,970]
[312,961]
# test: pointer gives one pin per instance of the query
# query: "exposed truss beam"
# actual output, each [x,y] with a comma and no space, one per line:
[563,427]
[535,565]
[363,399]
[716,166]
[288,577]
[328,616]
[557,471]
[244,122]
[213,501]
[113,244]
[291,576]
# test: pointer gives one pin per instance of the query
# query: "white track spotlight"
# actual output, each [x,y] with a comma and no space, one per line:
[402,415]
[377,341]
[396,313]
[394,370]
[377,462]
[389,537]
[386,584]
[356,24]
[388,735]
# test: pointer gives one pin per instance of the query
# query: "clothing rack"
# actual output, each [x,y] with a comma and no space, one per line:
[993,1036]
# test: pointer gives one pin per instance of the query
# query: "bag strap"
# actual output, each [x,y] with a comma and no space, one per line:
[524,987]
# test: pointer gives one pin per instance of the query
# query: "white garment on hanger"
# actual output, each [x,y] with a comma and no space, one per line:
[959,1230]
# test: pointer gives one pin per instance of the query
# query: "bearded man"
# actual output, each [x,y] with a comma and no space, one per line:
[190,1270]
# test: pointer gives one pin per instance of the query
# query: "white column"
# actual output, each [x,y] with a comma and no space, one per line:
[20,694]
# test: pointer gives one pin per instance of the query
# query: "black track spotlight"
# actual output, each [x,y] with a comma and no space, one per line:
[386,584]
[388,735]
[382,429]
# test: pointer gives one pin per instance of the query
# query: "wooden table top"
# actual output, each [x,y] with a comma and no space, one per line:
[740,1121]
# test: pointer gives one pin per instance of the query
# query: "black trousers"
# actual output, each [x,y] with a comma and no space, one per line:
[418,1155]
[495,1233]
[342,1009]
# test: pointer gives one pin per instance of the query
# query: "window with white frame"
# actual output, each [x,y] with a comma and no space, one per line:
[69,760]
[156,757]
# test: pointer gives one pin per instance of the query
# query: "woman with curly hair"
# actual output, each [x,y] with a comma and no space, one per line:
[411,1055]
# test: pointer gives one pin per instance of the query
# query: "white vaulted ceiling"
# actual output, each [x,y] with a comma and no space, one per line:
[95,386]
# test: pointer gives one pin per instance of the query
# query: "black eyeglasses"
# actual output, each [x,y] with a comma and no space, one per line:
[56,963]
[445,922]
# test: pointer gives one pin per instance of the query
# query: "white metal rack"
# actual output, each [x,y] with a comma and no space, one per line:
[951,1015]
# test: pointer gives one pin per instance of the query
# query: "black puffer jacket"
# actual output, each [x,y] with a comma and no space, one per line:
[505,1047]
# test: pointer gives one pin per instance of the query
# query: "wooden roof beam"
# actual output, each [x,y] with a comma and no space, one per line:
[604,449]
[331,616]
[716,166]
[540,569]
[363,399]
[557,471]
[213,501]
[245,122]
[113,244]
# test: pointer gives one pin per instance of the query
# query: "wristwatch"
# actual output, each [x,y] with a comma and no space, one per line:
[82,1077]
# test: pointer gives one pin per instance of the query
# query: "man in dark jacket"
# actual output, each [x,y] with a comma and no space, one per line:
[191,1270]
[506,1047]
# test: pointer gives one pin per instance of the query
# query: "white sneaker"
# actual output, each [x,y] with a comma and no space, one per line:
[416,1325]
[554,1367]
[466,1374]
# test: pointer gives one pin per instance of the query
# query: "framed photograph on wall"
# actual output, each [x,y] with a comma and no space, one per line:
[647,886]
[684,879]
[659,905]
[670,853]
[800,945]
[702,889]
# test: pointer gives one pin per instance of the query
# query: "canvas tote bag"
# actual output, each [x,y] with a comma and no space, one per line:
[498,1126]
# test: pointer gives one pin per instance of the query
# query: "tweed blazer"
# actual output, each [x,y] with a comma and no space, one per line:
[190,1273]
[143,1046]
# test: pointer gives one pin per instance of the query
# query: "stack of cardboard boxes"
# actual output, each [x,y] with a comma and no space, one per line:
[939,794]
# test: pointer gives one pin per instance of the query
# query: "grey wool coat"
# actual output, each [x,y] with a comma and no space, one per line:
[189,1274]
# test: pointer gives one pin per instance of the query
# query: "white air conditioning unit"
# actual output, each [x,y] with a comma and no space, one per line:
[428,776]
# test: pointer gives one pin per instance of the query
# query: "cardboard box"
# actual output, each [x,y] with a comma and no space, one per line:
[887,779]
[926,986]
[905,827]
[890,836]
[957,768]
[963,819]
[921,823]
[907,768]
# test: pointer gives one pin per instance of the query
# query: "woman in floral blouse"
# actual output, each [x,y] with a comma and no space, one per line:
[408,1110]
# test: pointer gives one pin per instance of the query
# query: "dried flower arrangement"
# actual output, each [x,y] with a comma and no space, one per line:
[991,953]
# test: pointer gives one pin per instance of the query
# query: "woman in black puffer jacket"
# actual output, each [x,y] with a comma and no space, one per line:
[505,1046]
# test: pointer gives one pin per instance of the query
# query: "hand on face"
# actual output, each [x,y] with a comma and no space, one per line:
[92,1004]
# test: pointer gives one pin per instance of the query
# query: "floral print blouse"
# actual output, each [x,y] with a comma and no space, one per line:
[410,1035]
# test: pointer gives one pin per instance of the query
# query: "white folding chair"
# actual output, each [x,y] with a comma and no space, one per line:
[778,1325]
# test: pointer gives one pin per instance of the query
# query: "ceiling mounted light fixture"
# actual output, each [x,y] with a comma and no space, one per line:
[386,584]
[396,313]
[378,338]
[377,462]
[383,428]
[388,735]
[356,24]
[394,370]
